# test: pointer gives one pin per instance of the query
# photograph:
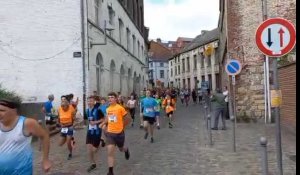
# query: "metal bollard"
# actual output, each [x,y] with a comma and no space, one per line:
[40,142]
[209,129]
[205,114]
[263,144]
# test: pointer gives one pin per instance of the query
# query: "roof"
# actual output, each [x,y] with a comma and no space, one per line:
[159,52]
[202,39]
[184,39]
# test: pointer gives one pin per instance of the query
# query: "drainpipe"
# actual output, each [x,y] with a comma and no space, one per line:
[83,45]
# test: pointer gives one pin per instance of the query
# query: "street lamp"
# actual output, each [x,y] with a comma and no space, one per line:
[105,35]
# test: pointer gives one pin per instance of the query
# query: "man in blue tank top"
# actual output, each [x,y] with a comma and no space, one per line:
[15,140]
[149,105]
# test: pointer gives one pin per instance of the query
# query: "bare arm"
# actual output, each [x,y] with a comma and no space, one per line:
[33,127]
[126,120]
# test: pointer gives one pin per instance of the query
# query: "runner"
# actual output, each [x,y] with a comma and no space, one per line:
[115,121]
[16,155]
[93,137]
[131,104]
[48,110]
[186,97]
[150,105]
[182,96]
[169,105]
[103,106]
[158,110]
[142,96]
[66,116]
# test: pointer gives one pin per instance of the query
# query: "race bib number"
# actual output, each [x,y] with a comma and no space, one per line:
[47,118]
[149,110]
[112,118]
[91,127]
[64,130]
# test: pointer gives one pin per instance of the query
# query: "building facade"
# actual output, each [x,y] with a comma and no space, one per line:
[120,63]
[197,62]
[158,64]
[61,48]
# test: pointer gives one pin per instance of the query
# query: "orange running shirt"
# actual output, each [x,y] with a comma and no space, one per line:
[66,117]
[169,104]
[115,114]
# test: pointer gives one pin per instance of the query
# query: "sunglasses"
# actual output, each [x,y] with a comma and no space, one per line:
[111,96]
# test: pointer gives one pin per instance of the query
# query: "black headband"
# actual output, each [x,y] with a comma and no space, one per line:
[9,104]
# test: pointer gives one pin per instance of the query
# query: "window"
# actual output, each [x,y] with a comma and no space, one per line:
[183,65]
[121,28]
[162,74]
[133,44]
[128,38]
[188,64]
[171,63]
[151,64]
[171,72]
[202,60]
[142,50]
[161,64]
[208,61]
[111,15]
[175,70]
[96,5]
[178,69]
[195,62]
[138,47]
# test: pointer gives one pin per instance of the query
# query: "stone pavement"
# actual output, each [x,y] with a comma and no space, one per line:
[183,150]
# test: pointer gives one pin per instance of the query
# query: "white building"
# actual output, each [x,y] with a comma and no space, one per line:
[197,62]
[60,47]
[158,64]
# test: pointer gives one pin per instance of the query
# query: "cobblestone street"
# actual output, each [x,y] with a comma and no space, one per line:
[183,150]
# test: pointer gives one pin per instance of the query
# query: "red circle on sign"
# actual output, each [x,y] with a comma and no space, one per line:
[269,22]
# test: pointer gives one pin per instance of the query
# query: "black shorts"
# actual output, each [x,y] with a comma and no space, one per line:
[170,113]
[93,139]
[115,139]
[151,120]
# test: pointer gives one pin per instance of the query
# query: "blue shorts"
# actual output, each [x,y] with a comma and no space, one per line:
[66,131]
[157,113]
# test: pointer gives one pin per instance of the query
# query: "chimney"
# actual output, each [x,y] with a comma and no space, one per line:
[203,31]
[158,40]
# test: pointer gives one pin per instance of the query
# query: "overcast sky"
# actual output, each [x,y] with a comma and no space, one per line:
[169,19]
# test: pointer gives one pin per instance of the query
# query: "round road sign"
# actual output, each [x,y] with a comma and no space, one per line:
[276,37]
[233,67]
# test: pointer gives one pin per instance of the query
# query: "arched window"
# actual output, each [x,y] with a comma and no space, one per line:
[112,72]
[128,81]
[122,72]
[99,69]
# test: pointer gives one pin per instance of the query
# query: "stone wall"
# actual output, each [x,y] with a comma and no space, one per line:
[243,19]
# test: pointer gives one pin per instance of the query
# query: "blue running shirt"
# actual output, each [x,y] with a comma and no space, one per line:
[149,104]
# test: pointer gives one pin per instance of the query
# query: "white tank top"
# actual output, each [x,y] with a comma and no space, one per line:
[15,151]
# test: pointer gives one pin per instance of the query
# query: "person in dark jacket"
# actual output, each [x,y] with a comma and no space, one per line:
[218,105]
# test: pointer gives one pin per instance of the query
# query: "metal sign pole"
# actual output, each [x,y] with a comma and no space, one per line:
[265,91]
[277,120]
[234,113]
[268,87]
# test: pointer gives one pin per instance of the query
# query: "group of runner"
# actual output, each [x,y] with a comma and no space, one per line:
[106,127]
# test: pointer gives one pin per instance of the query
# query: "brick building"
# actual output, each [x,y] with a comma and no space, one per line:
[238,23]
